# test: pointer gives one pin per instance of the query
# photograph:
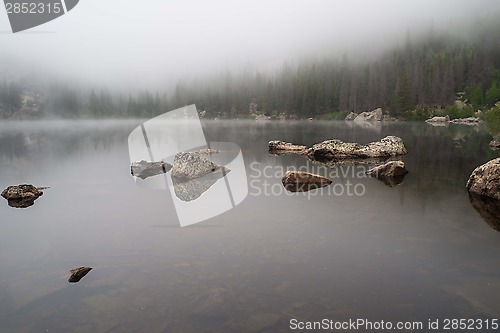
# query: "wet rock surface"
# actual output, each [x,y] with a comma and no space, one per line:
[192,165]
[337,149]
[391,173]
[144,169]
[280,147]
[22,196]
[485,180]
[78,273]
[488,208]
[300,181]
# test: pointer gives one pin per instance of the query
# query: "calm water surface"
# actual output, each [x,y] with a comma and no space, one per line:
[413,252]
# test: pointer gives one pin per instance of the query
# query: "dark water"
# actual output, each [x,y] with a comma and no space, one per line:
[414,252]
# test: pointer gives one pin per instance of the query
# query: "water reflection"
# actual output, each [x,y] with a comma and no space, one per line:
[419,248]
[488,208]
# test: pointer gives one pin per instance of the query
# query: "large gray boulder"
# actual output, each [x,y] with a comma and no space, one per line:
[192,165]
[22,196]
[375,115]
[485,180]
[300,181]
[337,149]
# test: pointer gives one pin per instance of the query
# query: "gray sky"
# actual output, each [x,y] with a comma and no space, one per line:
[156,42]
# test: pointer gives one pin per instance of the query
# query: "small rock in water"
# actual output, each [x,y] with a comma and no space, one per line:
[300,181]
[78,273]
[22,196]
[391,173]
[280,147]
[144,169]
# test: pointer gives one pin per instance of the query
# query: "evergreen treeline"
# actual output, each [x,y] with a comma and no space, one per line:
[420,75]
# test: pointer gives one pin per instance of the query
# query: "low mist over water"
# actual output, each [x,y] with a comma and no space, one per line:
[411,252]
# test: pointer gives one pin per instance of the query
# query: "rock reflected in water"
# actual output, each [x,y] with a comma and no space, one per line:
[22,196]
[300,181]
[488,208]
[391,173]
[144,169]
[78,273]
[189,190]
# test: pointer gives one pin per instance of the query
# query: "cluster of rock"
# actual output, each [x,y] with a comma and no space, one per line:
[467,121]
[337,149]
[446,119]
[192,174]
[375,115]
[391,173]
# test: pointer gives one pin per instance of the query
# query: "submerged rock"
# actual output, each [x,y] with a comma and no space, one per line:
[78,273]
[217,303]
[192,165]
[485,180]
[391,173]
[144,169]
[337,149]
[261,322]
[488,208]
[300,181]
[375,115]
[22,196]
[280,147]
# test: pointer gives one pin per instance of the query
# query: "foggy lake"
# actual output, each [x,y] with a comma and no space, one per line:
[417,251]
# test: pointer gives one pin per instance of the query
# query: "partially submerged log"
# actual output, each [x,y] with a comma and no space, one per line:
[300,181]
[78,273]
[22,196]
